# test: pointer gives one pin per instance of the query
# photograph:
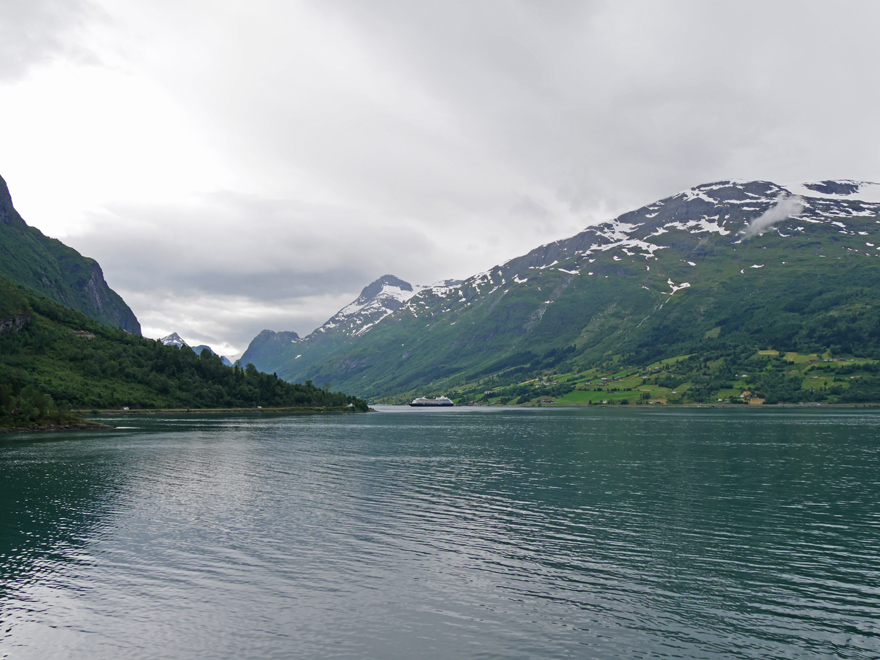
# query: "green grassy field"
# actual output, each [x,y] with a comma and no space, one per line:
[813,377]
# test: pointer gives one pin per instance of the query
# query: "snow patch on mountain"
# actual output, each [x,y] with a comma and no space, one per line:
[442,288]
[864,191]
[376,301]
[674,287]
[387,293]
[647,248]
[708,224]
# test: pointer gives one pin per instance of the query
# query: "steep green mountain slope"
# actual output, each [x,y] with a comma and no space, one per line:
[50,268]
[269,349]
[675,278]
[55,355]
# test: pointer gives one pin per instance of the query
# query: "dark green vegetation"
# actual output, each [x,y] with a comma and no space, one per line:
[30,408]
[675,279]
[48,267]
[53,358]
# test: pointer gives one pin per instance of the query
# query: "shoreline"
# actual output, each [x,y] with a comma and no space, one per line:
[728,406]
[215,411]
[87,423]
[77,425]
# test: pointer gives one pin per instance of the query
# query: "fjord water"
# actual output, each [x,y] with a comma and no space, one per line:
[463,533]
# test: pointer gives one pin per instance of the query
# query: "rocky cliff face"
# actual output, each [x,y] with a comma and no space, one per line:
[8,215]
[50,268]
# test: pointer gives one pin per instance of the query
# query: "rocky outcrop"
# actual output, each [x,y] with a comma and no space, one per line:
[107,304]
[14,323]
[8,215]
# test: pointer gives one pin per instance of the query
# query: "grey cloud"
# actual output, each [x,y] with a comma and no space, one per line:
[33,31]
[297,263]
[625,102]
[531,209]
[222,319]
[448,113]
[268,286]
[436,139]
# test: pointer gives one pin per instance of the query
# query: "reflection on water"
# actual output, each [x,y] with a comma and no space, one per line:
[455,533]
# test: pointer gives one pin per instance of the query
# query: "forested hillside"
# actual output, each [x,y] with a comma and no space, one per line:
[53,358]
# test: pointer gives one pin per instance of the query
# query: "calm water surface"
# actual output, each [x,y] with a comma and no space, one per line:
[464,533]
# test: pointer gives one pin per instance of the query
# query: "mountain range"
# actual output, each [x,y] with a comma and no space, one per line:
[750,264]
[730,291]
[268,350]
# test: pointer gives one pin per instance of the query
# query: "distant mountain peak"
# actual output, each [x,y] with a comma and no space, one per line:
[377,300]
[290,335]
[174,339]
[386,282]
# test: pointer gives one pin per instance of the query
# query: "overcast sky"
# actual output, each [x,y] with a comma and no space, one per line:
[237,165]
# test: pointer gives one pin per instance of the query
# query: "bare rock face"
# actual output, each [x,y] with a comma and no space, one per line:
[108,304]
[8,215]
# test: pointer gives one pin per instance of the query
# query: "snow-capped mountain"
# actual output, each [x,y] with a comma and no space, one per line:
[379,299]
[376,301]
[726,209]
[175,339]
[624,286]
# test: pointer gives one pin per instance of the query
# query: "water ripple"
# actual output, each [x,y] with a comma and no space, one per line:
[502,534]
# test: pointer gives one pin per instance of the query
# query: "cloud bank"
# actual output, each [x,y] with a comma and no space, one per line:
[269,160]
